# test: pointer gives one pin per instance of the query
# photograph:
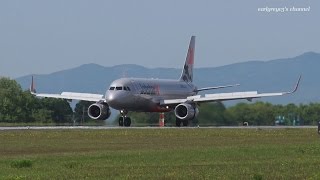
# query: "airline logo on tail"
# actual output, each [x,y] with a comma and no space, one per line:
[187,72]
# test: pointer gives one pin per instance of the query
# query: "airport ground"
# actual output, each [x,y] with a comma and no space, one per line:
[160,153]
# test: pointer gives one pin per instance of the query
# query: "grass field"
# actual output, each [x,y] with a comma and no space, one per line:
[160,154]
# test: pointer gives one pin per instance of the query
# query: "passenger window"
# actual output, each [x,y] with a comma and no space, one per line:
[118,88]
[111,88]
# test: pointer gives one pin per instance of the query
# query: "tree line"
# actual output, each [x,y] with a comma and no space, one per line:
[258,113]
[19,106]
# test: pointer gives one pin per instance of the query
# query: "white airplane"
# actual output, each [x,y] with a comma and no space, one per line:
[156,95]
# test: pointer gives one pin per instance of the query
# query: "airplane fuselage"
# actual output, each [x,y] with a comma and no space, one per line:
[138,94]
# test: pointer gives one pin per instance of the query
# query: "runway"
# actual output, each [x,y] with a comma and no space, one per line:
[117,127]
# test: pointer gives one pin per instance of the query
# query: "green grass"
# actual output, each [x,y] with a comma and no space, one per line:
[21,124]
[160,154]
[23,163]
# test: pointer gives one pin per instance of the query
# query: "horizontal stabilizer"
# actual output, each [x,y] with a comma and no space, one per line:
[216,87]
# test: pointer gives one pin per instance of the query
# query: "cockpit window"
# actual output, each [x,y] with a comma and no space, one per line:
[119,88]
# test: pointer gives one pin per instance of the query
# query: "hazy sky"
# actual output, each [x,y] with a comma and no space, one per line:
[42,36]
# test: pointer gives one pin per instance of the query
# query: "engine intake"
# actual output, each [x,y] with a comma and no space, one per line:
[99,111]
[186,111]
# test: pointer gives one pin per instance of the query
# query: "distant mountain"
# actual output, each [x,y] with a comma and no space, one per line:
[264,76]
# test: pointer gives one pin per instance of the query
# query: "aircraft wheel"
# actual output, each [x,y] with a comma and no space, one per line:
[185,123]
[121,121]
[127,122]
[178,122]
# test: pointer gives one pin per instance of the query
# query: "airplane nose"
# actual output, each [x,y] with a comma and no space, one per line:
[115,99]
[109,97]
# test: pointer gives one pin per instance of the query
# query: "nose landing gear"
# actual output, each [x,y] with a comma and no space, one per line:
[123,119]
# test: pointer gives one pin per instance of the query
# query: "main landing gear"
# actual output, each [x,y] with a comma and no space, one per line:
[179,121]
[123,119]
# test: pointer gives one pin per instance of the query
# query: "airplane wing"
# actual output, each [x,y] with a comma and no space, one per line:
[249,95]
[67,95]
[73,96]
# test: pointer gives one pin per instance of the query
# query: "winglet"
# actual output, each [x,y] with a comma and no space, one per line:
[32,87]
[296,86]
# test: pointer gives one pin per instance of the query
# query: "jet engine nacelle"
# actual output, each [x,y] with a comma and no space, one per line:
[186,111]
[99,111]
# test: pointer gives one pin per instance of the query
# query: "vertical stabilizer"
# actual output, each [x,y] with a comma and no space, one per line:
[187,71]
[32,87]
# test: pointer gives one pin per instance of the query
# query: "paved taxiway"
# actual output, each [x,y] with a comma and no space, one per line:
[116,127]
